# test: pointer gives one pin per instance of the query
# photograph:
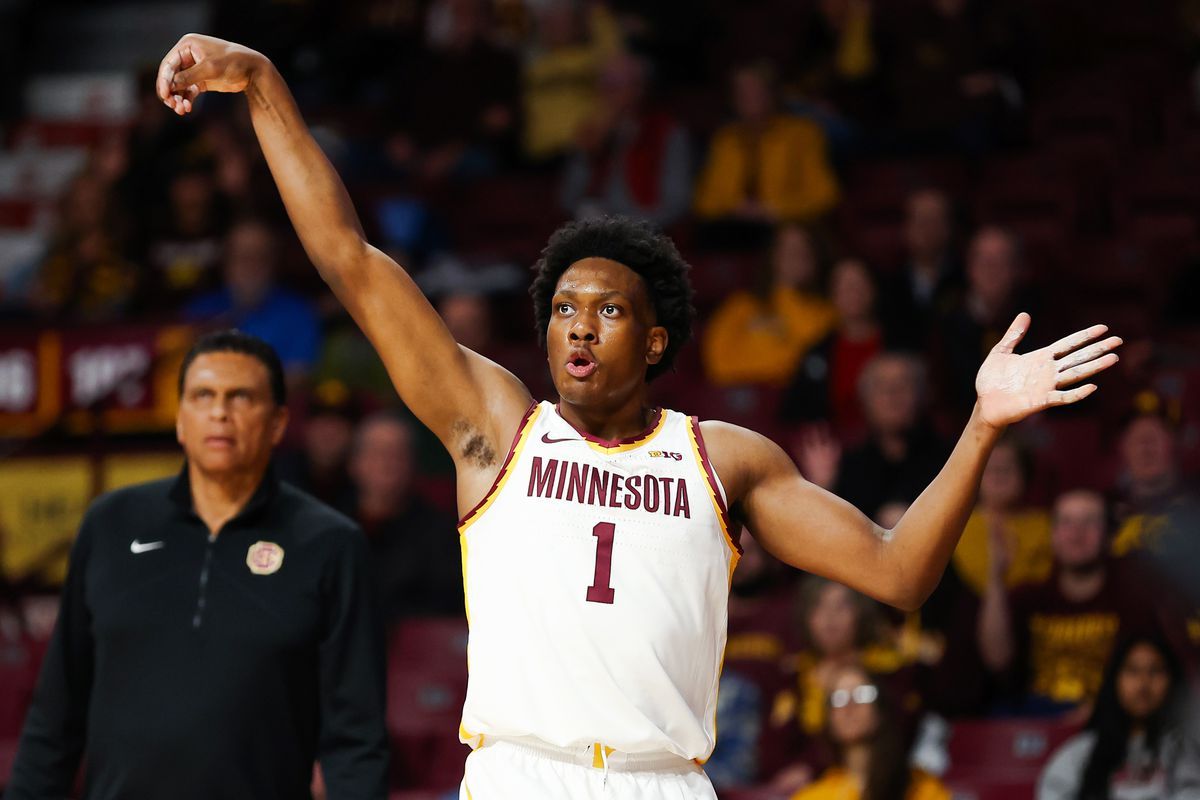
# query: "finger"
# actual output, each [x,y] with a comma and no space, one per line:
[1014,335]
[1089,353]
[196,76]
[1071,395]
[1086,370]
[166,73]
[1078,339]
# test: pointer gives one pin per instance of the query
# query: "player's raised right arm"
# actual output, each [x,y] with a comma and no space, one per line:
[452,390]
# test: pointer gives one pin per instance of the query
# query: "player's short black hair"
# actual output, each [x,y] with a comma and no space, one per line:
[234,341]
[636,244]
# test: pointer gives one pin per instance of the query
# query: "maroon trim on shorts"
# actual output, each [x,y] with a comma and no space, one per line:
[735,534]
[512,448]
[658,414]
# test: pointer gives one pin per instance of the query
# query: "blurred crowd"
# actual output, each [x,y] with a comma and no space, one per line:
[745,130]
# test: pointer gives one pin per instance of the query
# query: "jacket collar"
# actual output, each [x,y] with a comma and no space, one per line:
[181,493]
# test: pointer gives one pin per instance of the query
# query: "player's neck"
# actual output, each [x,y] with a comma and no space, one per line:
[611,423]
[217,498]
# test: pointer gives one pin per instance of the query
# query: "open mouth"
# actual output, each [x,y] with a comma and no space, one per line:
[580,366]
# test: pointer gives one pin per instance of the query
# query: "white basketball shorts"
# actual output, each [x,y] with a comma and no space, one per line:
[530,770]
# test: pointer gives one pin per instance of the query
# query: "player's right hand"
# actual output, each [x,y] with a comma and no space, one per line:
[198,64]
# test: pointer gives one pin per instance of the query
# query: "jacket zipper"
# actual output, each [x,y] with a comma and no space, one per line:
[202,596]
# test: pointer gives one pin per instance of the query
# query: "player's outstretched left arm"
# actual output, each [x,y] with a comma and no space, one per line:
[809,528]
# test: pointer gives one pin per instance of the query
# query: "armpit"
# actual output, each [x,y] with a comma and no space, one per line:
[474,446]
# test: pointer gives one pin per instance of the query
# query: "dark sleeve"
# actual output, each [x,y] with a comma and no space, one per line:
[55,727]
[806,398]
[353,739]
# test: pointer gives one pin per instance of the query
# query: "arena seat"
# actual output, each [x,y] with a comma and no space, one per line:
[8,755]
[994,753]
[427,681]
[20,662]
[18,213]
[508,215]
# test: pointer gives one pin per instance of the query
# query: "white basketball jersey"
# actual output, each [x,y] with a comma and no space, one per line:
[597,587]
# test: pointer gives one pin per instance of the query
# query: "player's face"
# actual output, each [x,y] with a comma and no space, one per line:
[228,421]
[602,337]
[1143,682]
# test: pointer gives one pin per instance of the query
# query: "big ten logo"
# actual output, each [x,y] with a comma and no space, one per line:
[117,370]
[18,381]
[666,454]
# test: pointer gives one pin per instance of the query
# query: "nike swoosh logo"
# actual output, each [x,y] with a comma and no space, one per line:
[136,547]
[546,438]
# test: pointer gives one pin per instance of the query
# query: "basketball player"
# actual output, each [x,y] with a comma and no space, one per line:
[596,534]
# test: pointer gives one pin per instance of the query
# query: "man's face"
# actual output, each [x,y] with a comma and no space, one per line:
[601,337]
[469,320]
[1003,483]
[249,263]
[851,290]
[228,421]
[751,95]
[992,266]
[793,259]
[382,461]
[833,621]
[891,396]
[1078,534]
[1148,450]
[927,224]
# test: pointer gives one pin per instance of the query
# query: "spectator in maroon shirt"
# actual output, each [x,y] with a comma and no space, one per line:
[1052,638]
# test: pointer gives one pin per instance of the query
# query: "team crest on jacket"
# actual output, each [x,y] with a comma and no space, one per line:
[264,558]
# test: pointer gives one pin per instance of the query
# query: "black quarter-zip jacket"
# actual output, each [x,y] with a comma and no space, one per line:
[177,671]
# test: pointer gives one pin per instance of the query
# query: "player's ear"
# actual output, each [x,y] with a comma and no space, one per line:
[656,344]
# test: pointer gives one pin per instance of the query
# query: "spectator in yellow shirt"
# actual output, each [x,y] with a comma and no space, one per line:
[872,761]
[759,336]
[1000,527]
[559,80]
[765,167]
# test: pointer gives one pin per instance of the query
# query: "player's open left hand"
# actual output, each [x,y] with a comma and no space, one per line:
[198,64]
[1012,386]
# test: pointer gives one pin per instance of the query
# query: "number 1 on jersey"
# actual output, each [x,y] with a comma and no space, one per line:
[600,591]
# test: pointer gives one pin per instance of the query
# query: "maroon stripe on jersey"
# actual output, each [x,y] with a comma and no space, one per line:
[658,412]
[735,534]
[512,448]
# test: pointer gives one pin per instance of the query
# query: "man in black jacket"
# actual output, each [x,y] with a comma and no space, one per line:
[218,631]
